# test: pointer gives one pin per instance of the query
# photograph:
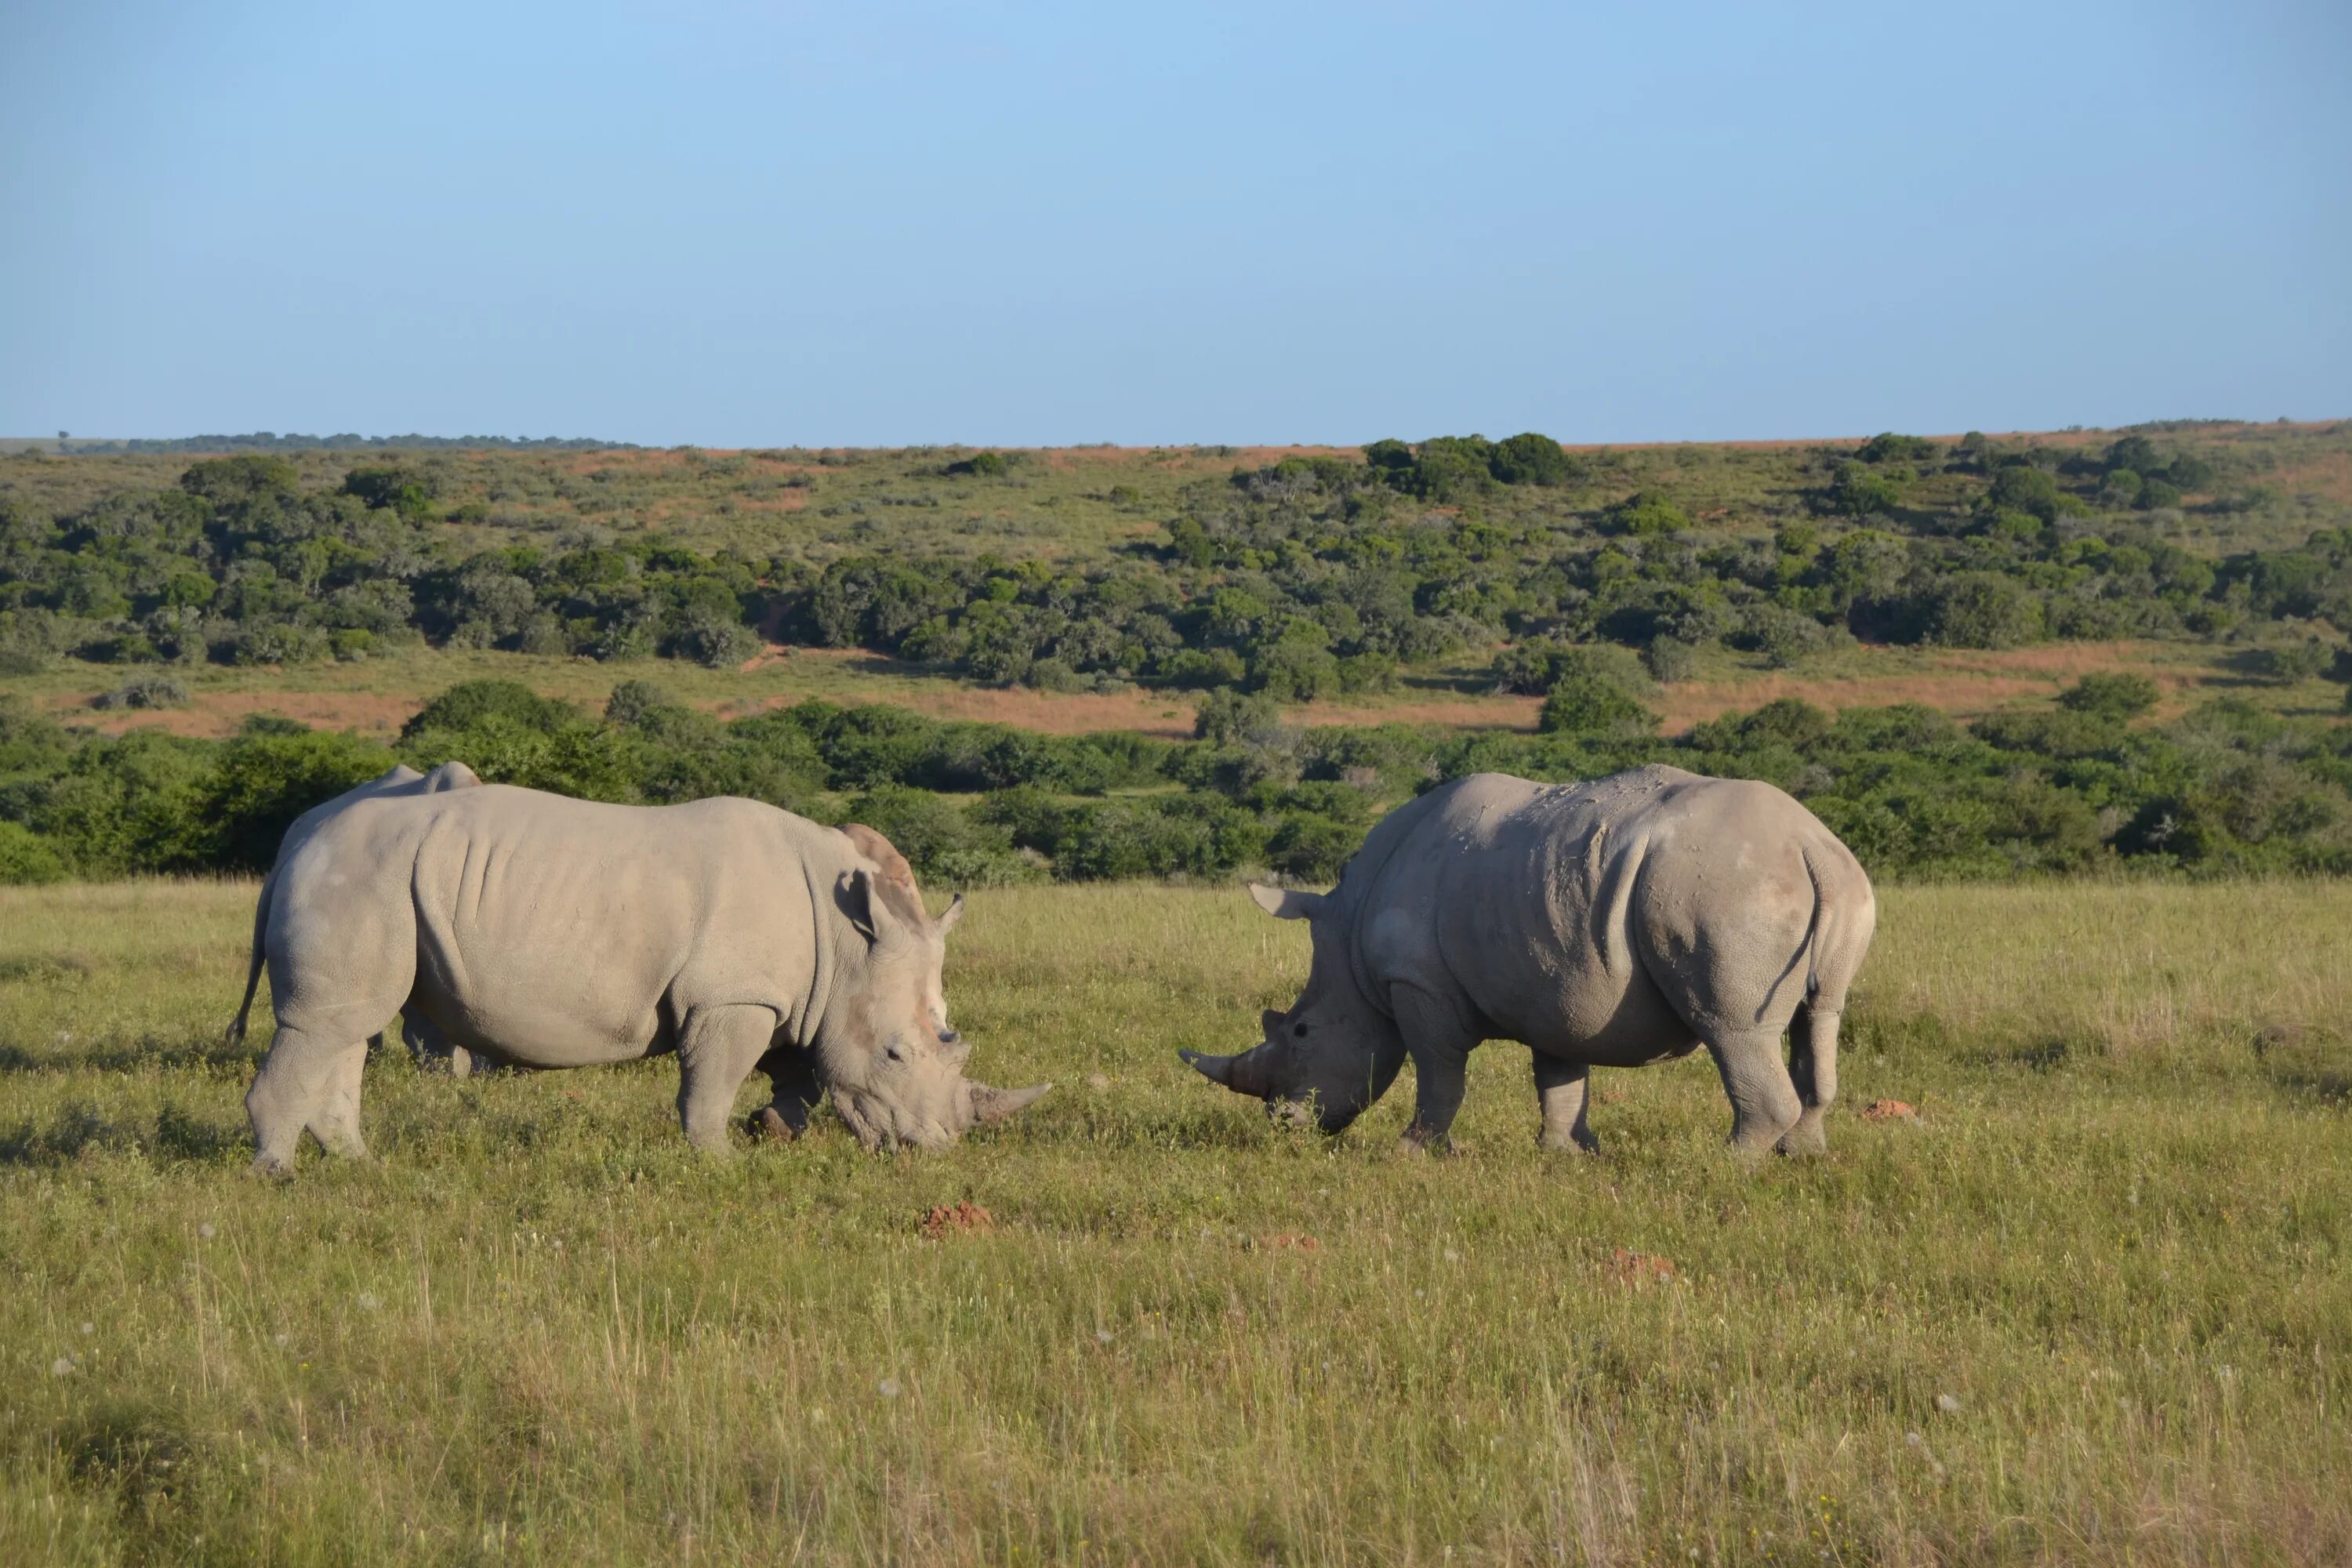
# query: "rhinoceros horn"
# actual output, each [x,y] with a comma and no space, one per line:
[987,1105]
[1243,1074]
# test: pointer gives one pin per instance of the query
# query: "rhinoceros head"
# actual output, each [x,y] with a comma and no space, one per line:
[1333,1052]
[892,1062]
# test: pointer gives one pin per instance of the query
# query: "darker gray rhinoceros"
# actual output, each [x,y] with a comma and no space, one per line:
[553,933]
[1615,923]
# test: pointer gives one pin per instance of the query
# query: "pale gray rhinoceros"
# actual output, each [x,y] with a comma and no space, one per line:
[554,932]
[400,779]
[1615,923]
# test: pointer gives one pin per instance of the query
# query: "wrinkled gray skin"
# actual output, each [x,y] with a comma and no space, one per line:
[553,933]
[400,779]
[1615,923]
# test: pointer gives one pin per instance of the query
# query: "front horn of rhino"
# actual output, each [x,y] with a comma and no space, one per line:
[1243,1074]
[982,1104]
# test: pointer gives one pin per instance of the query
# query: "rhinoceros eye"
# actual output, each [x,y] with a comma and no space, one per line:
[1299,1030]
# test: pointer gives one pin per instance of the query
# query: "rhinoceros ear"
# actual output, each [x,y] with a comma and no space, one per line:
[863,902]
[946,922]
[1287,903]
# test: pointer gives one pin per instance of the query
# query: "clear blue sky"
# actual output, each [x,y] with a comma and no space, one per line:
[738,224]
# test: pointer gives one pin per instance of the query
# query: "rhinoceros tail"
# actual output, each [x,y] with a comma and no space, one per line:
[1818,933]
[236,1036]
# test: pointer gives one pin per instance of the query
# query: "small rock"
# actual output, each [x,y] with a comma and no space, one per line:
[964,1217]
[1949,1403]
[206,1232]
[367,1301]
[62,1367]
[1890,1110]
[1097,1081]
[887,1388]
[92,1328]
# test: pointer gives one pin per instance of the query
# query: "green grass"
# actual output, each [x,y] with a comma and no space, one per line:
[535,1329]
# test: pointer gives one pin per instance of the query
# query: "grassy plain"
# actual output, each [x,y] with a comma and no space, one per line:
[2091,1305]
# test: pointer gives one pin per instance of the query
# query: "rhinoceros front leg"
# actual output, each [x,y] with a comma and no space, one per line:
[1562,1087]
[1440,1046]
[792,1073]
[715,1052]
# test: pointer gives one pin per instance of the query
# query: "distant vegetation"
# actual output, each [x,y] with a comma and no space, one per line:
[1306,577]
[2225,789]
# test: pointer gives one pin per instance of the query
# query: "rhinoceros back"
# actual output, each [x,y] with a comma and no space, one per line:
[555,933]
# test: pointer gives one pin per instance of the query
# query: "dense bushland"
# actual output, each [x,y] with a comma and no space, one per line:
[2080,788]
[1303,578]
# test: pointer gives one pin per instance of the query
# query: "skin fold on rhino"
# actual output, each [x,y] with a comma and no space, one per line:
[544,932]
[1619,922]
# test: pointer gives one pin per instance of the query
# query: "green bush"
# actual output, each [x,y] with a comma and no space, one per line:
[1593,694]
[469,702]
[1646,513]
[2118,696]
[27,858]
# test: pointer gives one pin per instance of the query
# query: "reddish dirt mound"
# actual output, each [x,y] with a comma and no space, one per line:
[1890,1110]
[1635,1267]
[1287,1241]
[963,1219]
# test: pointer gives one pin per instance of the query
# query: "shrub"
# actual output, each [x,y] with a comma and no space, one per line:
[2291,663]
[1668,661]
[1228,718]
[469,702]
[1529,458]
[1312,848]
[1644,513]
[1982,610]
[2119,695]
[27,858]
[1889,448]
[1593,692]
[144,691]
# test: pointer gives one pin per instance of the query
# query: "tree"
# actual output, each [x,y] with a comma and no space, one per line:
[1529,458]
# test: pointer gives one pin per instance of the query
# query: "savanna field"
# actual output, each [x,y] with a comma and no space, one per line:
[2088,1304]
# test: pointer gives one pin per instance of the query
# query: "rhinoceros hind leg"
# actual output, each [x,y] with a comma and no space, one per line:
[300,1084]
[715,1052]
[1764,1103]
[1812,1069]
[1561,1088]
[336,1124]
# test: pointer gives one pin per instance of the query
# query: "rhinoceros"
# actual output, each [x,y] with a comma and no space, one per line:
[400,779]
[554,932]
[1617,922]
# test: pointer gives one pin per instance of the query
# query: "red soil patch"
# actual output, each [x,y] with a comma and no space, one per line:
[1890,1110]
[1640,1267]
[1287,1242]
[960,1219]
[213,714]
